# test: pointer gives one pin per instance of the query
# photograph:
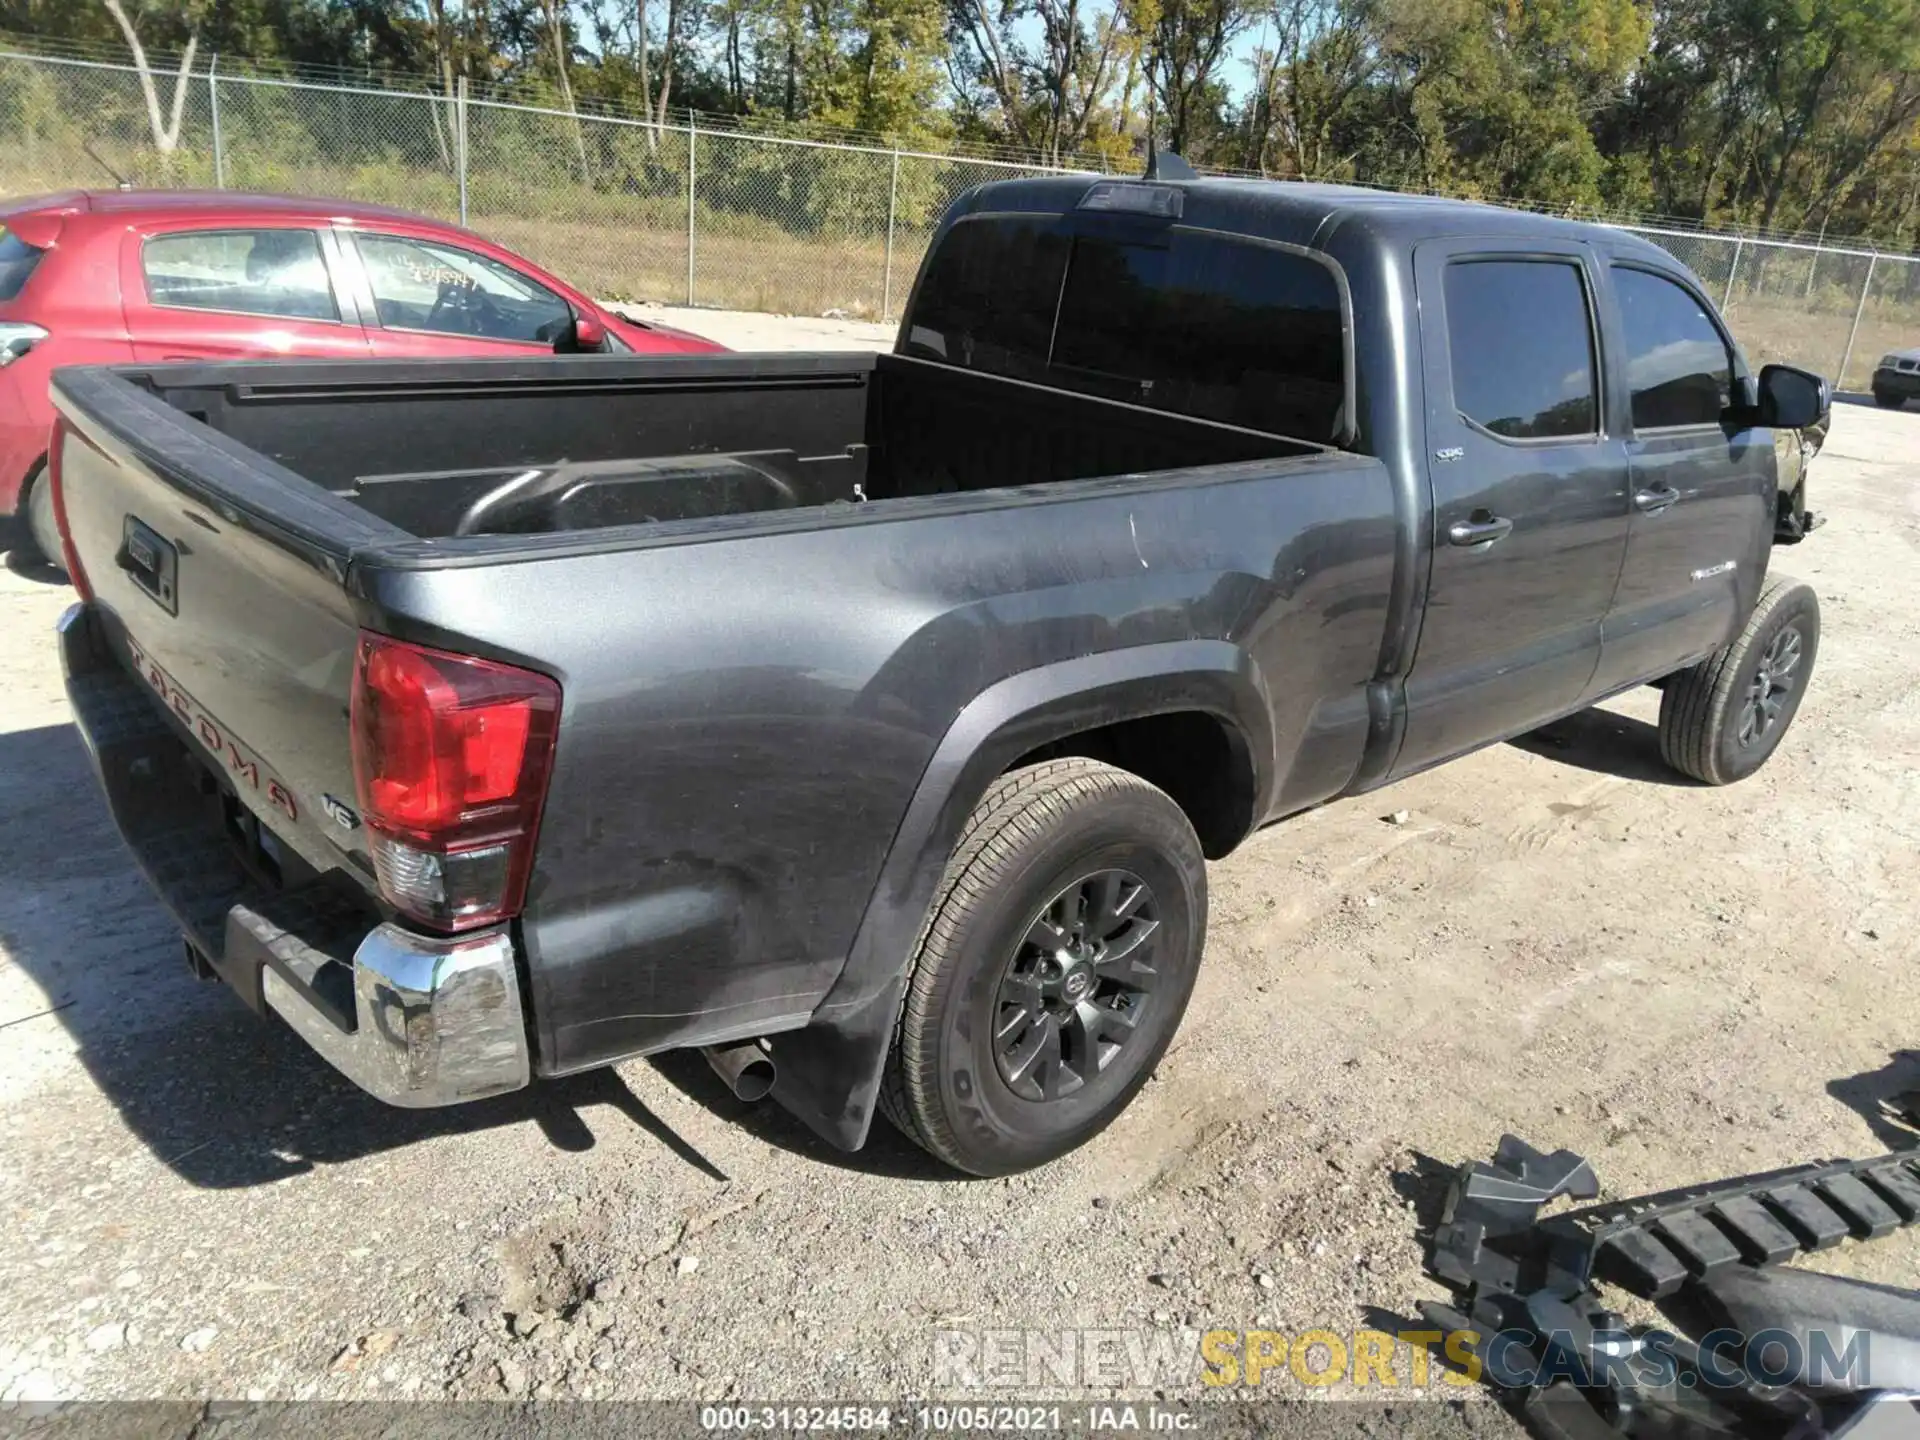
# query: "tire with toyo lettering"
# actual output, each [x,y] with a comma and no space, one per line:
[1721,720]
[1054,968]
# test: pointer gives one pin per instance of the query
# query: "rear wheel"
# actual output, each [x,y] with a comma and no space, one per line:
[1722,719]
[42,530]
[1054,971]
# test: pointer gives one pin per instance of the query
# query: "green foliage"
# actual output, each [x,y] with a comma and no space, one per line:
[1787,114]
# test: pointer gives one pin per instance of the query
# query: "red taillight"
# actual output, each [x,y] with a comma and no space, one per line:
[68,555]
[450,757]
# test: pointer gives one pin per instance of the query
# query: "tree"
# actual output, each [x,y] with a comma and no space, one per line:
[1324,53]
[556,25]
[1187,41]
[983,69]
[1056,76]
[166,133]
[461,49]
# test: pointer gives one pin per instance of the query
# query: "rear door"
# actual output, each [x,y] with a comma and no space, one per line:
[232,292]
[428,297]
[1529,492]
[1702,480]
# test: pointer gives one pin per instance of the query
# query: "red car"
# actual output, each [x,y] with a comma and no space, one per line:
[90,278]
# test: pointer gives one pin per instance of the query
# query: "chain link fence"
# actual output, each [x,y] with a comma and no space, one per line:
[1831,309]
[630,210]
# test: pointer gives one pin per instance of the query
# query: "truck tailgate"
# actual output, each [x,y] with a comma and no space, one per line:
[220,585]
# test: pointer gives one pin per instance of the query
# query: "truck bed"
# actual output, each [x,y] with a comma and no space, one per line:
[754,686]
[476,449]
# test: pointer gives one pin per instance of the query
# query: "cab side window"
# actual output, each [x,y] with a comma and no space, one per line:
[1520,335]
[1678,365]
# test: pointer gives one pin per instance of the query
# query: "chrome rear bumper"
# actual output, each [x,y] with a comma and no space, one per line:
[437,1021]
[429,1021]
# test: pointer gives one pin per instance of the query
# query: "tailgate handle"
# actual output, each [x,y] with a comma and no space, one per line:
[151,562]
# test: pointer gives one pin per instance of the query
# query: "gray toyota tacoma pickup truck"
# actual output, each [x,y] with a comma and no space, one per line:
[866,721]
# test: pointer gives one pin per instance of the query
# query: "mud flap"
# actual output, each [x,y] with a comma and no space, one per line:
[828,1075]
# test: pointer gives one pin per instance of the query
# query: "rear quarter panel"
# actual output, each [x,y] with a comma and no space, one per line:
[74,295]
[747,716]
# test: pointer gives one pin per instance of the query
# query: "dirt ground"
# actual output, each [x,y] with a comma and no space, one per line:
[1560,939]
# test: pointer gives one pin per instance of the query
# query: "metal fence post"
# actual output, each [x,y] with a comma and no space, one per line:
[1732,270]
[219,149]
[460,140]
[1819,249]
[893,202]
[693,136]
[1840,380]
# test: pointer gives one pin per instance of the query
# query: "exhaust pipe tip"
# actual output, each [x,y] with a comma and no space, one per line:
[747,1069]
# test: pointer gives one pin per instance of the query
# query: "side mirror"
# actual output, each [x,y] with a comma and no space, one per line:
[1791,398]
[585,336]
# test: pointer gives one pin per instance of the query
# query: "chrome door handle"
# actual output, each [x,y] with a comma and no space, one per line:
[1481,528]
[1653,501]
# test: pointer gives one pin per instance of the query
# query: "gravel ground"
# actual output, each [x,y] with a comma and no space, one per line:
[1557,938]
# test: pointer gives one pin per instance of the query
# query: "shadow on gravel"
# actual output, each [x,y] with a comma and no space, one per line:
[887,1151]
[1605,742]
[1423,1184]
[1880,1097]
[22,559]
[221,1096]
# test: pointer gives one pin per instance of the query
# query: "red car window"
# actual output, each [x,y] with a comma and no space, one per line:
[17,259]
[424,285]
[249,272]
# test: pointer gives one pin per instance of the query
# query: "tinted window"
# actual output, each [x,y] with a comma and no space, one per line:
[988,297]
[1522,347]
[1678,366]
[255,272]
[1206,325]
[17,259]
[420,285]
[1197,323]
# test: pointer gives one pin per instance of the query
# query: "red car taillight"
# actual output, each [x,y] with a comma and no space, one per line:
[450,758]
[68,555]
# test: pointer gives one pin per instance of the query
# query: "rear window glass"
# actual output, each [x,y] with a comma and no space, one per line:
[988,298]
[17,259]
[1189,321]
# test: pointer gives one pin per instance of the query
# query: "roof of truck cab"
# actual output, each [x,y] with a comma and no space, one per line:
[1306,212]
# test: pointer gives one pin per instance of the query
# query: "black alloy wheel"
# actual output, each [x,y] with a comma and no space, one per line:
[1078,986]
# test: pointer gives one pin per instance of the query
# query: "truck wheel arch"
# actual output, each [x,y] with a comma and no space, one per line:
[1199,758]
[829,1073]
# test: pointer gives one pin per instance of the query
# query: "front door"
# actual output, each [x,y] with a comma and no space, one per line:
[1702,481]
[430,298]
[1529,494]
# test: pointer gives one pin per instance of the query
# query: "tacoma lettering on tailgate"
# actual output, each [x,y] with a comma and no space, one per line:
[204,728]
